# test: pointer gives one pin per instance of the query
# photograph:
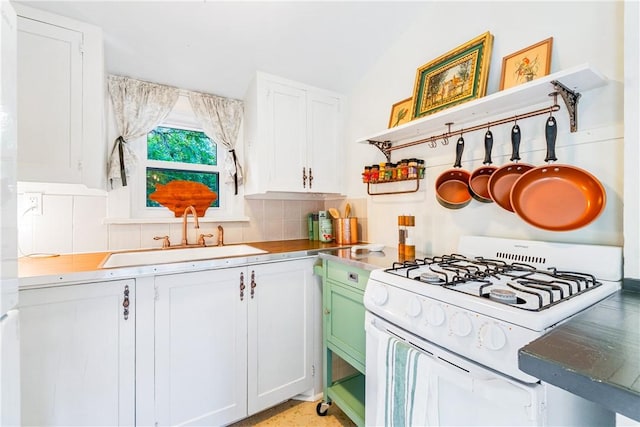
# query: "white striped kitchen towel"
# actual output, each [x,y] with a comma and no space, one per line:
[408,398]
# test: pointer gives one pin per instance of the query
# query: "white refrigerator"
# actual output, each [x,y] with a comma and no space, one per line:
[9,324]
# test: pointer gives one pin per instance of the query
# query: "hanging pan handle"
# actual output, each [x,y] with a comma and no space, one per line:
[550,133]
[488,146]
[459,151]
[515,143]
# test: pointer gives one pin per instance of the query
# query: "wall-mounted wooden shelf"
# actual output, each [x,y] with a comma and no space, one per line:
[568,84]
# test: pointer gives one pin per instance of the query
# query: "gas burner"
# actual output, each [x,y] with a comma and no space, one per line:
[504,296]
[430,277]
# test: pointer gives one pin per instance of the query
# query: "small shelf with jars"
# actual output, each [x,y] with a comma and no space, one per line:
[406,170]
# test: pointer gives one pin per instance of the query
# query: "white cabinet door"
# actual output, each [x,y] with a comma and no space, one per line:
[292,138]
[49,102]
[325,149]
[201,352]
[77,354]
[280,331]
[287,132]
[61,94]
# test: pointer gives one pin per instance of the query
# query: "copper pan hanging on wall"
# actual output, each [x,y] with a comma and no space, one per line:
[479,179]
[452,189]
[501,181]
[557,197]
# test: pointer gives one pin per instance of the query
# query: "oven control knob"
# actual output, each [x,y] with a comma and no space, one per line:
[435,315]
[415,307]
[460,324]
[380,295]
[492,337]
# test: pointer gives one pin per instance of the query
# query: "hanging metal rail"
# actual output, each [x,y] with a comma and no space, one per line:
[386,147]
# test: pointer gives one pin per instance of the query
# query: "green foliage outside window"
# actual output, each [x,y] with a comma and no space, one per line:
[180,145]
[185,146]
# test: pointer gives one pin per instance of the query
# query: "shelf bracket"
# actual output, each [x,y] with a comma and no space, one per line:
[383,146]
[571,101]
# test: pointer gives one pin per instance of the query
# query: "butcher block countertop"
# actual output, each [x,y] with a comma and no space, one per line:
[596,354]
[37,271]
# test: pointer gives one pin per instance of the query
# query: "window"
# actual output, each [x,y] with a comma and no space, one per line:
[180,154]
[178,149]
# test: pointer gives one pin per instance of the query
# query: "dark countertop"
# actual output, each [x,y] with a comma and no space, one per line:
[596,354]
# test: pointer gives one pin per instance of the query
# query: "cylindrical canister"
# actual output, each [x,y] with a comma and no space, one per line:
[326,230]
[346,230]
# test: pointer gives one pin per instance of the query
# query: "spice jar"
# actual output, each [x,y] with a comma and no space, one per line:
[413,169]
[420,168]
[375,173]
[409,250]
[388,171]
[394,172]
[366,175]
[404,169]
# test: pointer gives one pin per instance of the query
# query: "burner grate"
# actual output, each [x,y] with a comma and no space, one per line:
[535,289]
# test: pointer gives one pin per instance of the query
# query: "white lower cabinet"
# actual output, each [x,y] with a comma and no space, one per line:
[232,342]
[202,348]
[77,354]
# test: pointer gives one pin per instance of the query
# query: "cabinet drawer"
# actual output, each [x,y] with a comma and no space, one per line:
[347,275]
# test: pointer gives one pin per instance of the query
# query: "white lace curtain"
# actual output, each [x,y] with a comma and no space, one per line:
[220,119]
[138,108]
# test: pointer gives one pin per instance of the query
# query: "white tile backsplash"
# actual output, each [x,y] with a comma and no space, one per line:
[73,222]
[125,236]
[89,232]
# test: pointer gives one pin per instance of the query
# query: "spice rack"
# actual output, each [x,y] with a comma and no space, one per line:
[407,170]
[567,84]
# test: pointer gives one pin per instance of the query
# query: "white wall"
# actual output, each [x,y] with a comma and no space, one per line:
[585,32]
[632,135]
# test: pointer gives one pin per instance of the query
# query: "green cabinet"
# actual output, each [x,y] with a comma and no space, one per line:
[344,336]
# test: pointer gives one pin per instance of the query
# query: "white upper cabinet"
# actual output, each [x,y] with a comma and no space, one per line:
[293,138]
[60,100]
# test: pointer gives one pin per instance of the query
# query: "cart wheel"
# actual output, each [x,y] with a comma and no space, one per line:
[322,408]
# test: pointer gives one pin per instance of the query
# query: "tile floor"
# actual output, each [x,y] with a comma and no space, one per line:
[296,413]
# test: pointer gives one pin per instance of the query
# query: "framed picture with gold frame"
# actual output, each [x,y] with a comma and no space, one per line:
[458,76]
[401,112]
[526,64]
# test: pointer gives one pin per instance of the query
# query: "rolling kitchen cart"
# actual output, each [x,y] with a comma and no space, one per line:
[343,335]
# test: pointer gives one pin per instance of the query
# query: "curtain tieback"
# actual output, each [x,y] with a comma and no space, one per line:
[235,173]
[123,174]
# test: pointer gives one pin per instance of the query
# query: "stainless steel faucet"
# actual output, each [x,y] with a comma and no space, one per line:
[184,223]
[220,236]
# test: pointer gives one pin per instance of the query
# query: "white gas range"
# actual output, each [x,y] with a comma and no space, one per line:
[474,310]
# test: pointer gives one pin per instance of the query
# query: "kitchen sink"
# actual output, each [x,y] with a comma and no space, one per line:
[161,256]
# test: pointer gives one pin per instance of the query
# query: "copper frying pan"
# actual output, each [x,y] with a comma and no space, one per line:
[502,180]
[452,189]
[479,179]
[557,197]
